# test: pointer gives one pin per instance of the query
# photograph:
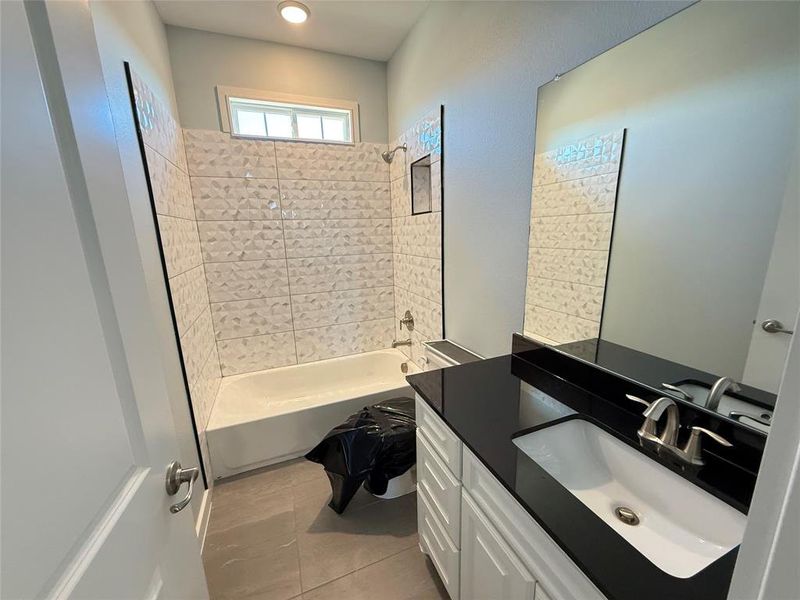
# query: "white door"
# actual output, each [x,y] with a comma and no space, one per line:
[489,567]
[87,432]
[780,297]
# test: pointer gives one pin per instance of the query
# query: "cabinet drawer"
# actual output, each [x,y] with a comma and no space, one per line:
[441,438]
[441,487]
[545,559]
[435,542]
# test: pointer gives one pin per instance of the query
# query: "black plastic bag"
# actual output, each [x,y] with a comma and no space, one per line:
[373,446]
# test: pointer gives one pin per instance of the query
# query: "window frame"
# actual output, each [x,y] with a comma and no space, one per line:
[226,93]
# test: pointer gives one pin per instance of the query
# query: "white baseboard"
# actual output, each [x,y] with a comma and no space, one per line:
[201,527]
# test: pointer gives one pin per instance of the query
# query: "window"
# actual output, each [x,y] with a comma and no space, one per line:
[250,113]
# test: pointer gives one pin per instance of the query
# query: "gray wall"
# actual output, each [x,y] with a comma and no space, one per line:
[709,100]
[203,60]
[484,61]
[133,31]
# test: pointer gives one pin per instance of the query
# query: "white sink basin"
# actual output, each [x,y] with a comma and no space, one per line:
[682,529]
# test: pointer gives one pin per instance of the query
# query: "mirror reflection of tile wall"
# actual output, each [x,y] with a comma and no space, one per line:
[572,214]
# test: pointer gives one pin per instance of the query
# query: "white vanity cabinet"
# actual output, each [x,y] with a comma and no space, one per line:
[479,538]
[489,567]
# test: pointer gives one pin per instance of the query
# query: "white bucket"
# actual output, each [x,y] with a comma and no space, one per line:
[400,486]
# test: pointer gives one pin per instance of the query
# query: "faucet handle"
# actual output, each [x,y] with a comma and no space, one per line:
[680,391]
[691,452]
[696,431]
[637,399]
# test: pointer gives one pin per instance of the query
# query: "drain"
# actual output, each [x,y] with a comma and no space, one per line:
[626,515]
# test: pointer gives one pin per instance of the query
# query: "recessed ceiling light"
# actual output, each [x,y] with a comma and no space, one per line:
[293,12]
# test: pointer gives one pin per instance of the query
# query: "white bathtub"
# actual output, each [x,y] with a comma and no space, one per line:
[270,416]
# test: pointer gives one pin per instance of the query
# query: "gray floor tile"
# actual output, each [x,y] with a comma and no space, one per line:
[272,536]
[408,575]
[247,504]
[332,545]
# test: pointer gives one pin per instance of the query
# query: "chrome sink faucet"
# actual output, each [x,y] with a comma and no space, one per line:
[648,431]
[721,385]
[668,440]
[396,343]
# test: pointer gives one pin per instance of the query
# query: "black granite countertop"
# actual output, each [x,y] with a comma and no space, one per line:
[489,402]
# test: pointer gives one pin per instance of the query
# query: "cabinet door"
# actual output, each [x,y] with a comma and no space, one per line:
[489,568]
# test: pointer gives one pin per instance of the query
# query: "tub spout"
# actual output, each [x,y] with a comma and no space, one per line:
[396,343]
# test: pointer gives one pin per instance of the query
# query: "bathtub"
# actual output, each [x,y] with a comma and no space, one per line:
[270,416]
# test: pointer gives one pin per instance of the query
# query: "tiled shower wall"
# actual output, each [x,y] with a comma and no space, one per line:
[169,179]
[572,214]
[296,239]
[417,239]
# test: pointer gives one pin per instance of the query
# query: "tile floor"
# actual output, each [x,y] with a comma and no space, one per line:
[271,536]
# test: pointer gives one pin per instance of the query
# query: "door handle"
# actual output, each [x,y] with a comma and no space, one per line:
[176,477]
[775,326]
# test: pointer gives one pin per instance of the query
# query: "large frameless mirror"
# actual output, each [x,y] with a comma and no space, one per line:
[664,214]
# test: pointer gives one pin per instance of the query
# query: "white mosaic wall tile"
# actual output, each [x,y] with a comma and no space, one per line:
[254,353]
[259,316]
[290,225]
[189,296]
[572,215]
[418,235]
[172,196]
[593,155]
[340,340]
[559,327]
[417,239]
[337,237]
[310,199]
[436,186]
[399,165]
[401,196]
[580,196]
[243,280]
[425,137]
[331,162]
[579,232]
[171,190]
[229,198]
[585,301]
[567,264]
[160,130]
[180,244]
[225,241]
[333,273]
[218,154]
[339,307]
[204,390]
[421,274]
[196,345]
[427,314]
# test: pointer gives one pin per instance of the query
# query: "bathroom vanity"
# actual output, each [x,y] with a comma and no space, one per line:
[523,461]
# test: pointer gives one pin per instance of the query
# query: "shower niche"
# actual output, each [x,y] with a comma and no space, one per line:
[421,192]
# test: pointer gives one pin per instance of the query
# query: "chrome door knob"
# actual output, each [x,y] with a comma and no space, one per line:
[176,477]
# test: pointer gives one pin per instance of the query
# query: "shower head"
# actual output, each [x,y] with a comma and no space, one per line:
[388,156]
